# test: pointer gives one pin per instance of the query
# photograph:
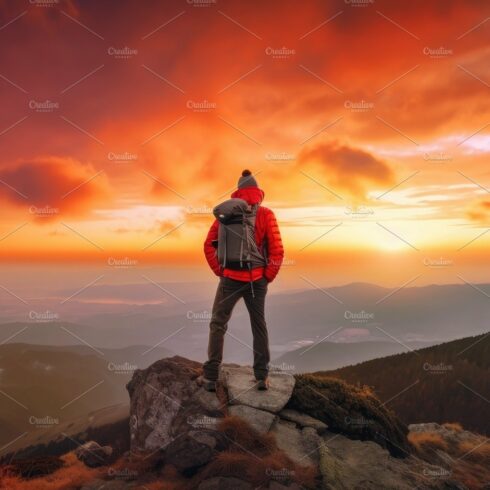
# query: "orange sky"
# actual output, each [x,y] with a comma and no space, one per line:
[367,124]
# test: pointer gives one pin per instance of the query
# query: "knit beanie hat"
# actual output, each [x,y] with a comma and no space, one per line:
[247,180]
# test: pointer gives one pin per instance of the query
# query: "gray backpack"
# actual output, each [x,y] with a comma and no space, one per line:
[237,248]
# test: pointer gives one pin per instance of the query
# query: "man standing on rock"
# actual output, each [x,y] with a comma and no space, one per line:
[244,248]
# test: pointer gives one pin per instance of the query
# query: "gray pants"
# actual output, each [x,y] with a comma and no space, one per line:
[228,293]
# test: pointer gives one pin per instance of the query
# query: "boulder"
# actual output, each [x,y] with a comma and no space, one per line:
[260,420]
[166,403]
[93,454]
[302,419]
[241,385]
[290,440]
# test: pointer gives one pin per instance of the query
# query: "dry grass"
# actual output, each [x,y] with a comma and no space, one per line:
[427,441]
[455,426]
[255,458]
[479,453]
[71,476]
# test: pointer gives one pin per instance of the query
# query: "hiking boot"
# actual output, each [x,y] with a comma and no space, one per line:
[207,384]
[263,384]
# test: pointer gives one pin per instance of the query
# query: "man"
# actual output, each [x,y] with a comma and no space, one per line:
[250,284]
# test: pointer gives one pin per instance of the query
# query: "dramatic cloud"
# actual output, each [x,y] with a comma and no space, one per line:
[52,187]
[480,212]
[351,169]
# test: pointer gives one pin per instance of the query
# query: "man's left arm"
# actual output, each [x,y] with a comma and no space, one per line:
[275,248]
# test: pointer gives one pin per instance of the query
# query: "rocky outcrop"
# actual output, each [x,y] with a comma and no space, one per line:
[93,454]
[175,418]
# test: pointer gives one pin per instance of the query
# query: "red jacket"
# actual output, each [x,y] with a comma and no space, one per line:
[266,228]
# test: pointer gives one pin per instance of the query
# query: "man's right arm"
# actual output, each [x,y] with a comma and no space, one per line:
[210,249]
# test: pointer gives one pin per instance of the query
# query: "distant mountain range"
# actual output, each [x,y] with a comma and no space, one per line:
[449,382]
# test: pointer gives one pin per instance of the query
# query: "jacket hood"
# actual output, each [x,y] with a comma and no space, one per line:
[253,195]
